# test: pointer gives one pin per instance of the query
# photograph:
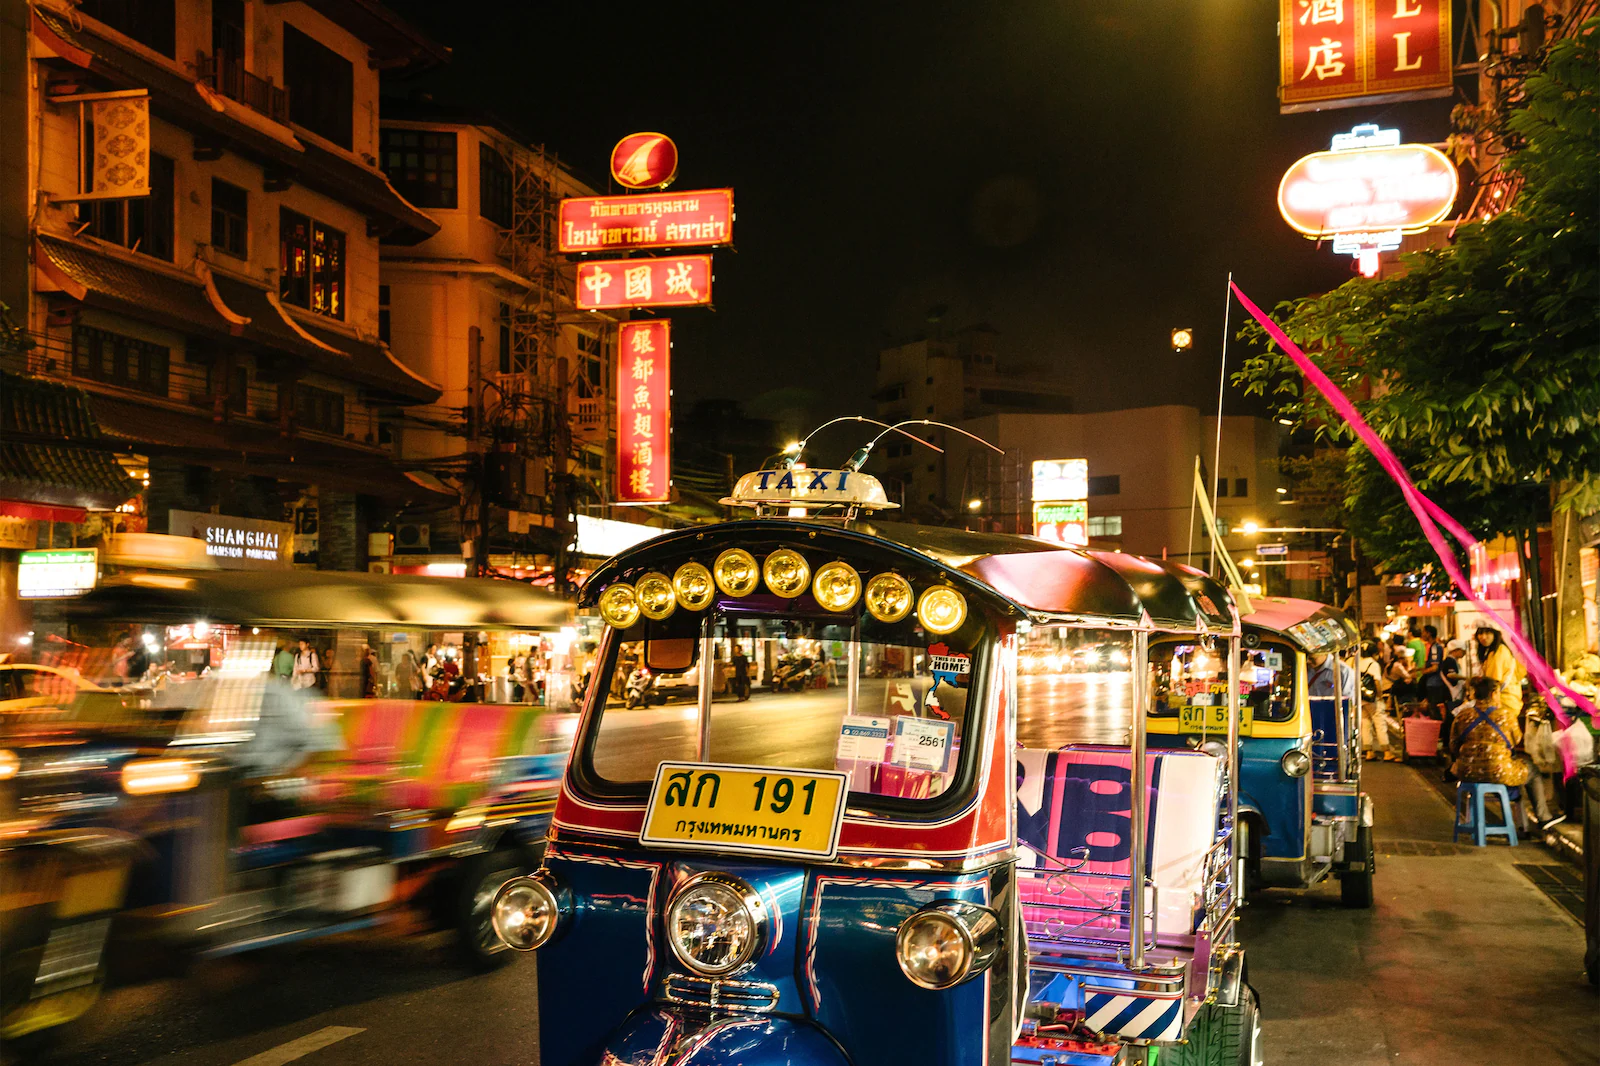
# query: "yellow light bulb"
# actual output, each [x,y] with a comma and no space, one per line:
[736,572]
[786,572]
[942,609]
[693,584]
[655,596]
[888,597]
[837,586]
[619,606]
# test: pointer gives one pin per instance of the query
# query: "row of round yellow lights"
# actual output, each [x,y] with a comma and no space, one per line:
[836,586]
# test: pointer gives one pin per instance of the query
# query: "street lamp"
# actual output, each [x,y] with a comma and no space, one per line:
[1182,339]
[974,504]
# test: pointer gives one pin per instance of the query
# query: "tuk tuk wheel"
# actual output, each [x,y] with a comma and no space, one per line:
[1355,886]
[481,878]
[1220,1036]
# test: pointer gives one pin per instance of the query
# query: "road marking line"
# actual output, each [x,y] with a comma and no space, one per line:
[297,1049]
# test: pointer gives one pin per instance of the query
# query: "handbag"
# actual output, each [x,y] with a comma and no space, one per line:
[1540,744]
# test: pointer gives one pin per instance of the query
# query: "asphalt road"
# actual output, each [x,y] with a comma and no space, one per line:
[1461,960]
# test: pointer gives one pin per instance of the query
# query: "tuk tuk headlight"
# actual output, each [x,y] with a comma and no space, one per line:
[619,606]
[736,572]
[947,943]
[786,572]
[9,764]
[527,911]
[149,777]
[837,586]
[716,925]
[692,582]
[942,610]
[655,596]
[1295,763]
[888,597]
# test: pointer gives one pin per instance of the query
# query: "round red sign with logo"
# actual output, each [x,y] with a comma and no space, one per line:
[644,161]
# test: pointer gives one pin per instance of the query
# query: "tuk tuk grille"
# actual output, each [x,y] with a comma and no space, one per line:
[752,996]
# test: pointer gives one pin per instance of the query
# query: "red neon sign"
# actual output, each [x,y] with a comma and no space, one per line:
[656,220]
[644,161]
[1343,53]
[644,430]
[1405,187]
[675,281]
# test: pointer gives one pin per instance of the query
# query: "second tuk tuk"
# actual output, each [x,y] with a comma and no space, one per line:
[881,870]
[1303,815]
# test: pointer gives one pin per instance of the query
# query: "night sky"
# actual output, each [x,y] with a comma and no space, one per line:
[1081,176]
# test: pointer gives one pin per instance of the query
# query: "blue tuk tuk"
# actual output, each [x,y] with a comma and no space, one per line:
[890,865]
[1303,816]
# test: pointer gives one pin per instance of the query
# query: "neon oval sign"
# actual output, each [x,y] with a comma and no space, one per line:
[644,161]
[1406,187]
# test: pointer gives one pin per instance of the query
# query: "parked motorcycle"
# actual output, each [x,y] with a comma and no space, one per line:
[794,674]
[641,690]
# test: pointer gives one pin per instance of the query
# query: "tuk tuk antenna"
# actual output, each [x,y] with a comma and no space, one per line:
[860,457]
[793,458]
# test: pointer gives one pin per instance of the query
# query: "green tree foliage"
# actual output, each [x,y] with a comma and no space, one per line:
[1480,362]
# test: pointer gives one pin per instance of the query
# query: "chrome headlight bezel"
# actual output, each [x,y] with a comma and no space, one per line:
[755,913]
[512,914]
[977,927]
[1295,763]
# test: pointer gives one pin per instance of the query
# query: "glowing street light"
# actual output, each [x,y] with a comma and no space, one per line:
[1182,339]
[793,447]
[1250,528]
[974,504]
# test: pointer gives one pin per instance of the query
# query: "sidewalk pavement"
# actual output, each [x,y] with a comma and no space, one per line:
[1462,961]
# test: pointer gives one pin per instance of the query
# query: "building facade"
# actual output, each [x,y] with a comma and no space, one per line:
[218,334]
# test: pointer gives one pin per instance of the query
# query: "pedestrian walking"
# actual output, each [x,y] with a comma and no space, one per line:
[283,662]
[307,664]
[369,673]
[1401,676]
[1419,650]
[741,674]
[408,675]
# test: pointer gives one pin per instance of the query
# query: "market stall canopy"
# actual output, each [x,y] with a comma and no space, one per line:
[323,599]
[1314,626]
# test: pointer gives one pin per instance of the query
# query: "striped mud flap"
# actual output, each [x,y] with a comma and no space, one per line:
[1134,1014]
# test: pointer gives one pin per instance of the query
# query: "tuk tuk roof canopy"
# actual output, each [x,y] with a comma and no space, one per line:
[1042,581]
[323,600]
[1312,625]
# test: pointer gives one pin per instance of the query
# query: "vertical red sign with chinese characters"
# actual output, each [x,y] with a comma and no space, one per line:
[644,394]
[1344,53]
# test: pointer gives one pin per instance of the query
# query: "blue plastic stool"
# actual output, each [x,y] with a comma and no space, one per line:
[1470,794]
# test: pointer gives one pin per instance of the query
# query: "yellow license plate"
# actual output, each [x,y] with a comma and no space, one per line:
[747,810]
[1212,720]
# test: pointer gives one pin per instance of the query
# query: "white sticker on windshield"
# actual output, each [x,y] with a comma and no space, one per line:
[863,737]
[1274,660]
[922,744]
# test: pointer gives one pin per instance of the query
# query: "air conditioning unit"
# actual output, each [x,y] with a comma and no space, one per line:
[382,566]
[380,545]
[412,536]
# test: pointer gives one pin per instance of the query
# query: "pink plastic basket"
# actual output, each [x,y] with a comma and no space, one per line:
[1422,737]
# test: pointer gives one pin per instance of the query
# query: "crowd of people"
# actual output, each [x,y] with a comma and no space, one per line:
[1484,723]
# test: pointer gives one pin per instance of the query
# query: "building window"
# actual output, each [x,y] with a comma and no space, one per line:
[505,338]
[421,165]
[310,264]
[239,390]
[1109,525]
[1222,487]
[143,224]
[383,313]
[319,409]
[494,186]
[230,219]
[117,360]
[227,32]
[1106,485]
[1241,486]
[594,349]
[153,23]
[321,87]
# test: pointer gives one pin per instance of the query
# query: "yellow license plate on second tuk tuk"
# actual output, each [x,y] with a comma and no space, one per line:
[748,810]
[1212,720]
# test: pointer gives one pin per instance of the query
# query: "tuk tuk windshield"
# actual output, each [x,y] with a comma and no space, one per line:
[1187,675]
[803,694]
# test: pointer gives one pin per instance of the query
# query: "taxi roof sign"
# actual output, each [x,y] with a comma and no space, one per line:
[803,487]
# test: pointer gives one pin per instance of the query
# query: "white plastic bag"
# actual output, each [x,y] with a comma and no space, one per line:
[1576,742]
[1540,744]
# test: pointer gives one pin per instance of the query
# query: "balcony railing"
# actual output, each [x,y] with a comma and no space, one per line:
[226,74]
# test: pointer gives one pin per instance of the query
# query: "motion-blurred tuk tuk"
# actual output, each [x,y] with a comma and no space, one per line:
[877,871]
[255,814]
